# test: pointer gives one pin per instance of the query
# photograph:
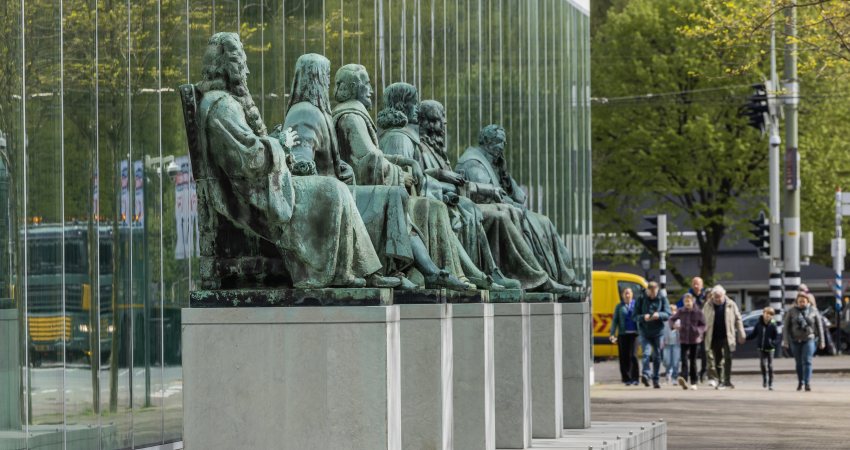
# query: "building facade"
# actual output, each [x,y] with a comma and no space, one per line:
[99,244]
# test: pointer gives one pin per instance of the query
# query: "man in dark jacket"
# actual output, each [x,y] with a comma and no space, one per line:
[650,313]
[765,334]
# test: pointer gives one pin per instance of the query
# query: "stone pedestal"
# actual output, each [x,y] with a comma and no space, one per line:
[575,339]
[291,378]
[472,376]
[10,370]
[546,371]
[426,382]
[512,373]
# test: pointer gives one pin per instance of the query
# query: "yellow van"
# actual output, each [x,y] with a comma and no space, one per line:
[607,287]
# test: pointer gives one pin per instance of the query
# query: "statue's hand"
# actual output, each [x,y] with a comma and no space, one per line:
[408,180]
[304,168]
[452,178]
[289,138]
[346,174]
[417,172]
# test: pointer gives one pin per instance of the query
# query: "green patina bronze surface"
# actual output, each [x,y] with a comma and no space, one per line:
[234,298]
[538,297]
[261,224]
[507,296]
[485,167]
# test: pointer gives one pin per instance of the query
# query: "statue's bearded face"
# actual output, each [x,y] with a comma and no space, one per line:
[237,63]
[364,92]
[433,121]
[413,112]
[496,146]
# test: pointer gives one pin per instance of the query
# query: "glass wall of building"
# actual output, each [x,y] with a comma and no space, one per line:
[98,247]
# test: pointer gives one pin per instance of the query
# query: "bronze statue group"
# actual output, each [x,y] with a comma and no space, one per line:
[331,198]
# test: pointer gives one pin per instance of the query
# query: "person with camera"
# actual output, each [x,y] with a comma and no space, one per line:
[802,331]
[650,313]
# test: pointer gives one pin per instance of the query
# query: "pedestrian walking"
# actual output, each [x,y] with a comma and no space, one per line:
[765,333]
[671,350]
[802,331]
[691,330]
[624,333]
[700,294]
[724,328]
[650,313]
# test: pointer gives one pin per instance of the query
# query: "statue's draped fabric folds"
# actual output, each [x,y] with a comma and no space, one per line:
[485,168]
[308,224]
[333,198]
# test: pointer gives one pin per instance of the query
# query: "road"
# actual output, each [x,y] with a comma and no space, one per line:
[747,417]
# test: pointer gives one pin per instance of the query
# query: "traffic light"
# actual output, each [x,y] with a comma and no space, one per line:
[761,233]
[657,232]
[757,108]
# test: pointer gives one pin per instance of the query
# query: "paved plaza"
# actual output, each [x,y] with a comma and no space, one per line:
[747,417]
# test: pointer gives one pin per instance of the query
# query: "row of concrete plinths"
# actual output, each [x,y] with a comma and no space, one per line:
[443,375]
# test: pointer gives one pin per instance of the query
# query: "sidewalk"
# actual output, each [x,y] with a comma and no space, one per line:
[821,364]
[609,372]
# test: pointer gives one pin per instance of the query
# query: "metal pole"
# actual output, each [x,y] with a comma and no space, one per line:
[662,272]
[838,253]
[775,280]
[792,159]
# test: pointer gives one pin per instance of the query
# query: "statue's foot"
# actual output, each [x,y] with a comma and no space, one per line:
[444,279]
[508,283]
[486,283]
[378,281]
[554,287]
[406,284]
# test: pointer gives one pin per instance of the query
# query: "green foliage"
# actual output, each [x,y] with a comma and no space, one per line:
[685,153]
[823,34]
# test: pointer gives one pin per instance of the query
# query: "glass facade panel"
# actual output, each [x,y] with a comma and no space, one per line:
[99,241]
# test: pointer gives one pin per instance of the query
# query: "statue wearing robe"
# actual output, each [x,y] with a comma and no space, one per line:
[246,185]
[499,188]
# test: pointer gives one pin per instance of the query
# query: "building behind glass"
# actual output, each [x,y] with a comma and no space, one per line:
[98,247]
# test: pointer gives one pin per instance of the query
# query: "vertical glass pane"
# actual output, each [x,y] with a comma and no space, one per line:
[14,413]
[48,327]
[81,397]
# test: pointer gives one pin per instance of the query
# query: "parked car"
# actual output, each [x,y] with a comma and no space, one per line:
[750,348]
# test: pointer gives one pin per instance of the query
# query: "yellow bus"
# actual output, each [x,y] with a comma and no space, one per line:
[607,287]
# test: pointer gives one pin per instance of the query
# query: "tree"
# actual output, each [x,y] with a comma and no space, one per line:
[684,152]
[824,65]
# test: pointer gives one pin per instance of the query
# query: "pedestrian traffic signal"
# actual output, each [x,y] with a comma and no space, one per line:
[761,234]
[657,232]
[757,108]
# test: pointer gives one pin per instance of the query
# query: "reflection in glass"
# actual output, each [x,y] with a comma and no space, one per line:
[98,243]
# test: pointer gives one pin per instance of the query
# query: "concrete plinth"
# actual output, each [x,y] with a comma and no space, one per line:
[472,376]
[291,378]
[426,382]
[546,370]
[512,374]
[10,370]
[575,341]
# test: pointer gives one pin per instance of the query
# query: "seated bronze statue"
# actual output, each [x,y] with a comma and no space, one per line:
[384,207]
[497,191]
[260,225]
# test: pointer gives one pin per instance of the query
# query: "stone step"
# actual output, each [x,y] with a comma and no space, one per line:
[610,436]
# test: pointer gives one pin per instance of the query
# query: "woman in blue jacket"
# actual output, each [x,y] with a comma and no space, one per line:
[624,334]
